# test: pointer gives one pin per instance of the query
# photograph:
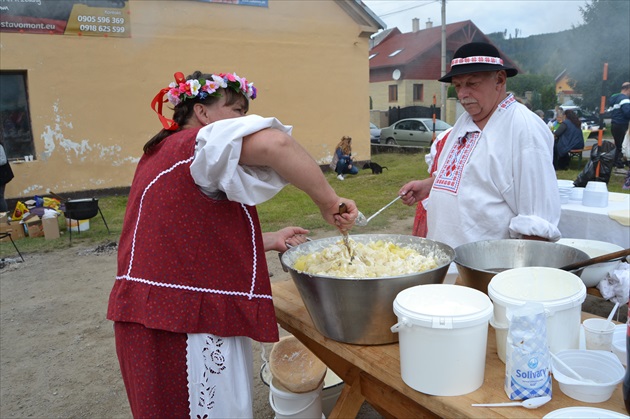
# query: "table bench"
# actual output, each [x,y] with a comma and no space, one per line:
[578,153]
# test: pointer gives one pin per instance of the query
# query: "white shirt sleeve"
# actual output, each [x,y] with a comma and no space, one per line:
[537,201]
[216,165]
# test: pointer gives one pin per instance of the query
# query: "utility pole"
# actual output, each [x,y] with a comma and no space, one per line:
[443,72]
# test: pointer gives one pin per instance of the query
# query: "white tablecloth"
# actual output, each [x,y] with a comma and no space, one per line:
[580,222]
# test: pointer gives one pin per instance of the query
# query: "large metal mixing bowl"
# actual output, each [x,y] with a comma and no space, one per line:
[360,310]
[479,261]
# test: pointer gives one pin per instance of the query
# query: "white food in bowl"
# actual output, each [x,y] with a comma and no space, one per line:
[592,275]
[375,259]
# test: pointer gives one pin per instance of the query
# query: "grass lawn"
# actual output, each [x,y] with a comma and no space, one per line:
[291,206]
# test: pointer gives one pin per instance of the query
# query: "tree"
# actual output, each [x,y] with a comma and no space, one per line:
[540,86]
[603,38]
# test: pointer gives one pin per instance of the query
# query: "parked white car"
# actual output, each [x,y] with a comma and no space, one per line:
[375,134]
[412,131]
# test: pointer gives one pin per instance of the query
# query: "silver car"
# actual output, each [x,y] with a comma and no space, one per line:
[412,131]
[375,134]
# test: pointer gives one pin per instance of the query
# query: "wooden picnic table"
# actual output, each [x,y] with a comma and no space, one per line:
[372,374]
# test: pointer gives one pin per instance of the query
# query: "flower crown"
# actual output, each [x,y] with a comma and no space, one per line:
[182,89]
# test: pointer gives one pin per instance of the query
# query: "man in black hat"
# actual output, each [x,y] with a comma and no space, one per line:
[495,177]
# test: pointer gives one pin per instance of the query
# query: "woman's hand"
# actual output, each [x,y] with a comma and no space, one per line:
[279,240]
[415,191]
[344,222]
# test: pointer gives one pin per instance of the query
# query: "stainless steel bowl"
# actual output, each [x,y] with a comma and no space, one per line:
[479,261]
[360,310]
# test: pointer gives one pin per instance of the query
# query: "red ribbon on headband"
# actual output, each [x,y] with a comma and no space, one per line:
[158,100]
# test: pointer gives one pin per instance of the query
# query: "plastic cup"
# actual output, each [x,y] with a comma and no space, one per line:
[598,334]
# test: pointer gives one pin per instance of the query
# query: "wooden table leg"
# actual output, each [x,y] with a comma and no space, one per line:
[350,399]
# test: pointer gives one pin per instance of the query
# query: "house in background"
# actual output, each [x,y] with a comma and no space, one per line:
[404,67]
[77,78]
[564,90]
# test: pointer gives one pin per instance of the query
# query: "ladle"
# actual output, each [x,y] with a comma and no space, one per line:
[534,403]
[361,221]
[342,210]
[599,259]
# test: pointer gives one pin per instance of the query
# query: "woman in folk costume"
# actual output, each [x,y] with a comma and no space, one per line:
[192,286]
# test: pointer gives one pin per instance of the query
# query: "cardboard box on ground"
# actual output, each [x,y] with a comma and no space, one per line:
[34,226]
[15,228]
[37,227]
[51,228]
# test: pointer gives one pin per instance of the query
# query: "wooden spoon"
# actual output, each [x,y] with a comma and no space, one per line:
[599,259]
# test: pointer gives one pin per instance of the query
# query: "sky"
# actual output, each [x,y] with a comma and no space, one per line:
[530,17]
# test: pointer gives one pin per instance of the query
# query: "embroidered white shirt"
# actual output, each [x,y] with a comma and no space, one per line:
[498,183]
[216,164]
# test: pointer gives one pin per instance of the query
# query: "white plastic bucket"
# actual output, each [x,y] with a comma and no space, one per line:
[501,336]
[75,225]
[561,293]
[330,392]
[288,405]
[443,333]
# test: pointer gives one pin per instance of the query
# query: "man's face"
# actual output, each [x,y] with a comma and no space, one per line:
[479,92]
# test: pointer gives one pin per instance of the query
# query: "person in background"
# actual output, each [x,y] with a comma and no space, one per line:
[619,120]
[6,175]
[568,136]
[192,287]
[554,122]
[342,160]
[495,176]
[540,113]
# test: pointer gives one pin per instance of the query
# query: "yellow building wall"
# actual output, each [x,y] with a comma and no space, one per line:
[562,85]
[90,96]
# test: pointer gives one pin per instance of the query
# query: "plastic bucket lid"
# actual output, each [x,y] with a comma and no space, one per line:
[556,289]
[442,306]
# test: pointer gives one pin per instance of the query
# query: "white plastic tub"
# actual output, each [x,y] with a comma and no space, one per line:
[443,333]
[289,405]
[561,293]
[330,392]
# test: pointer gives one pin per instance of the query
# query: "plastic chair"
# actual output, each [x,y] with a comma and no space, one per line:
[82,209]
[8,234]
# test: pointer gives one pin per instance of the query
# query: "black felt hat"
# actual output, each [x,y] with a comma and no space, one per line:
[476,57]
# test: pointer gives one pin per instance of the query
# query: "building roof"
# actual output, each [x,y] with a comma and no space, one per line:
[362,15]
[398,49]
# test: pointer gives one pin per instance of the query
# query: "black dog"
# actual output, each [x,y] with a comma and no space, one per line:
[377,169]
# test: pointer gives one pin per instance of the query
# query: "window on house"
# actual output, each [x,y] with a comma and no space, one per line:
[398,51]
[393,93]
[16,134]
[418,92]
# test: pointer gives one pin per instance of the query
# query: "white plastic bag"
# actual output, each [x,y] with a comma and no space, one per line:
[527,359]
[625,146]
